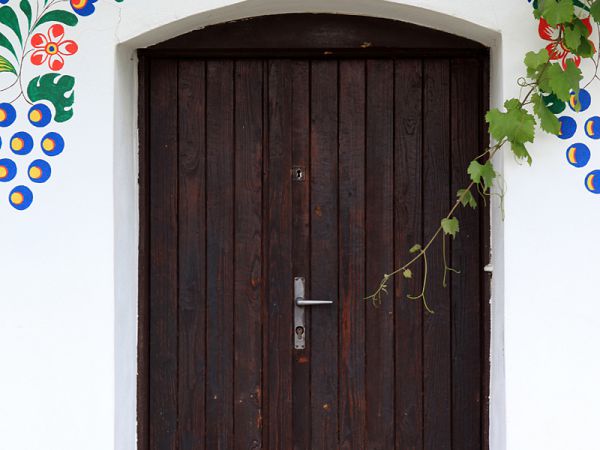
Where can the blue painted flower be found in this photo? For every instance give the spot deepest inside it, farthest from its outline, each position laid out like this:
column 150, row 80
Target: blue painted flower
column 39, row 171
column 40, row 115
column 83, row 7
column 20, row 197
column 4, row 2
column 8, row 114
column 21, row 143
column 53, row 144
column 8, row 170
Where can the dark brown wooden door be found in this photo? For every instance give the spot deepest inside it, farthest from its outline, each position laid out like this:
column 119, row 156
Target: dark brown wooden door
column 383, row 144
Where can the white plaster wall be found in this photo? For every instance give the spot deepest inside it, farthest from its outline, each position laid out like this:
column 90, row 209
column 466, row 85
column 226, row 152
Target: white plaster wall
column 68, row 278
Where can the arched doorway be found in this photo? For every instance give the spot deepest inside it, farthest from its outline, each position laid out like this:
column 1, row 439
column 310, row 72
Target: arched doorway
column 316, row 149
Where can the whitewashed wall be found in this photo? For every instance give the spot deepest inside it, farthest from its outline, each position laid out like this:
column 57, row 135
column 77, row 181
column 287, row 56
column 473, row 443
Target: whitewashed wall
column 68, row 272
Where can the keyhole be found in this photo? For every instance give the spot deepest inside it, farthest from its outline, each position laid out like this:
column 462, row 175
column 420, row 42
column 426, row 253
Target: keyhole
column 298, row 173
column 300, row 332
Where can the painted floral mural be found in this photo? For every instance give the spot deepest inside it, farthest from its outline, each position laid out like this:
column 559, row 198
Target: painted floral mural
column 35, row 33
column 578, row 152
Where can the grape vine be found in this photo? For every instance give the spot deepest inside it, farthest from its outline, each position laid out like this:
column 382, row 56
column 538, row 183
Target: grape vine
column 552, row 77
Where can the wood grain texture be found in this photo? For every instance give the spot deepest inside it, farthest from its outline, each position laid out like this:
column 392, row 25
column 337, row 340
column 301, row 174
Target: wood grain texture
column 384, row 144
column 192, row 255
column 280, row 278
column 324, row 253
column 163, row 257
column 143, row 344
column 220, row 253
column 248, row 254
column 408, row 231
column 380, row 382
column 437, row 337
column 465, row 287
column 351, row 225
column 301, row 244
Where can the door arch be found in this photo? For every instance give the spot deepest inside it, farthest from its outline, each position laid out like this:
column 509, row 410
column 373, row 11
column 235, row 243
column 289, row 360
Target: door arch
column 338, row 97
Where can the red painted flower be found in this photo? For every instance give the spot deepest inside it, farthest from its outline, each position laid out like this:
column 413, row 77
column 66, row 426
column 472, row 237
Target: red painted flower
column 556, row 49
column 52, row 48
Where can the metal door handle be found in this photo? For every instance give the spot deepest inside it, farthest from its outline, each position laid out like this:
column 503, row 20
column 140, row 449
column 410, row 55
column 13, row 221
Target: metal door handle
column 302, row 302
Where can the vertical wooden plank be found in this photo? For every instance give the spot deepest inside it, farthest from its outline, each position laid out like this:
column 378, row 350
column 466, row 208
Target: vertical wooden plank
column 220, row 253
column 351, row 226
column 486, row 279
column 192, row 254
column 280, row 278
column 380, row 253
column 301, row 245
column 248, row 251
column 143, row 389
column 163, row 256
column 324, row 253
column 465, row 287
column 437, row 337
column 408, row 231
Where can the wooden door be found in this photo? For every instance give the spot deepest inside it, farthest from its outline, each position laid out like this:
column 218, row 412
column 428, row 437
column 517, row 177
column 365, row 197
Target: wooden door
column 262, row 170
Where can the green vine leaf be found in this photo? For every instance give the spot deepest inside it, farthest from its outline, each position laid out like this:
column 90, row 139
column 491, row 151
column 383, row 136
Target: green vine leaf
column 520, row 152
column 482, row 173
column 58, row 90
column 548, row 121
column 561, row 82
column 535, row 61
column 466, row 198
column 516, row 124
column 407, row 274
column 9, row 18
column 65, row 17
column 557, row 11
column 451, row 226
column 415, row 248
column 6, row 66
column 595, row 11
column 4, row 42
column 26, row 8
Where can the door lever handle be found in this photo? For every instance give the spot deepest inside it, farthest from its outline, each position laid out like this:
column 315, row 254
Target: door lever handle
column 300, row 330
column 302, row 302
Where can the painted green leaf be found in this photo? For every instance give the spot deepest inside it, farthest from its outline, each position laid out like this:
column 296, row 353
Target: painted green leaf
column 65, row 17
column 9, row 18
column 6, row 66
column 548, row 121
column 451, row 226
column 407, row 274
column 466, row 198
column 4, row 42
column 482, row 173
column 58, row 90
column 26, row 8
column 554, row 104
column 558, row 11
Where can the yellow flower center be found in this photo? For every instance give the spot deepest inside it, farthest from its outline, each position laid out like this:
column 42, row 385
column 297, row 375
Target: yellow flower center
column 17, row 198
column 48, row 145
column 35, row 173
column 52, row 48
